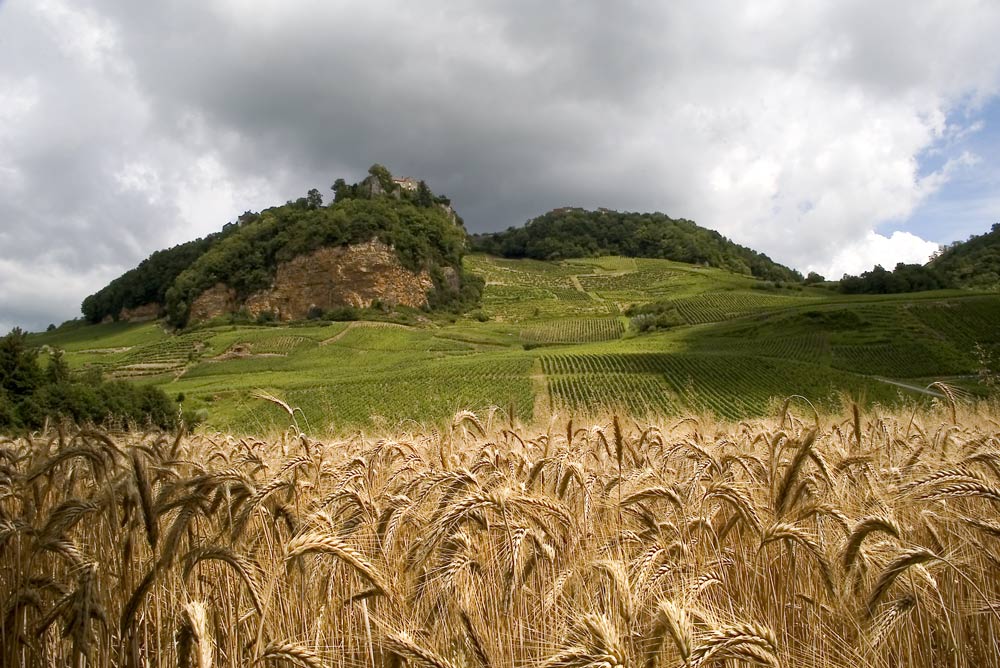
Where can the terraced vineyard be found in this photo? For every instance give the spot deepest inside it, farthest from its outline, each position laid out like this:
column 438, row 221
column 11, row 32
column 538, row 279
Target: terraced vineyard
column 394, row 397
column 170, row 357
column 607, row 263
column 918, row 359
column 814, row 348
column 734, row 350
column 732, row 386
column 578, row 330
column 718, row 306
column 607, row 393
column 267, row 340
column 644, row 282
column 964, row 323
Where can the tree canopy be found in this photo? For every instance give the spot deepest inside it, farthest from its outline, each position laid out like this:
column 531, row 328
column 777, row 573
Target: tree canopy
column 904, row 278
column 245, row 254
column 974, row 263
column 567, row 233
column 31, row 393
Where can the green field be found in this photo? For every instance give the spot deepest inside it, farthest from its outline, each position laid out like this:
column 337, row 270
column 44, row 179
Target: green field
column 553, row 336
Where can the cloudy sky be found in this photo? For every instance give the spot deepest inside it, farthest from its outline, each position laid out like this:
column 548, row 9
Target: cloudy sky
column 829, row 134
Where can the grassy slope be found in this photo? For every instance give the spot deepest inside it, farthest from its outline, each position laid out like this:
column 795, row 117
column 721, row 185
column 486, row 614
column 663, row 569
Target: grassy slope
column 556, row 339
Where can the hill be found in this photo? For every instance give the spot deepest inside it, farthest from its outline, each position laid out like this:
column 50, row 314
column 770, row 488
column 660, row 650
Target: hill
column 384, row 241
column 582, row 336
column 974, row 263
column 571, row 232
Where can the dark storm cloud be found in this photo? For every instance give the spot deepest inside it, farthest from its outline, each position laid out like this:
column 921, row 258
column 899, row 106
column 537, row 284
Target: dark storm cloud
column 503, row 108
column 794, row 127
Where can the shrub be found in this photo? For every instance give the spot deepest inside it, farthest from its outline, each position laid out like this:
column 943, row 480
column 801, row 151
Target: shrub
column 29, row 396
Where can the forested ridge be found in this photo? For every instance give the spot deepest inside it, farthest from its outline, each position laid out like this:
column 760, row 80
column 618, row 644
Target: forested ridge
column 572, row 232
column 974, row 263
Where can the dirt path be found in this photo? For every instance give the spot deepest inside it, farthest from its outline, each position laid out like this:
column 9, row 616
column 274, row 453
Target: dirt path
column 907, row 386
column 339, row 335
column 575, row 279
column 374, row 324
column 539, row 386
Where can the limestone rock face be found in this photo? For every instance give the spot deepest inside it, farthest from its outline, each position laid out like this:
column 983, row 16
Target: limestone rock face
column 450, row 212
column 372, row 186
column 217, row 300
column 341, row 276
column 326, row 278
column 142, row 313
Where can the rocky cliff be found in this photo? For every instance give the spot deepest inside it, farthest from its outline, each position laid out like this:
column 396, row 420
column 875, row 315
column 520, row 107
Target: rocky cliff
column 217, row 300
column 327, row 278
column 142, row 313
column 302, row 257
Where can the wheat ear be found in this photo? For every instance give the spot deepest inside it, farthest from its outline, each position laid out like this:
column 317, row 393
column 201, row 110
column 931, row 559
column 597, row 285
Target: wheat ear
column 193, row 637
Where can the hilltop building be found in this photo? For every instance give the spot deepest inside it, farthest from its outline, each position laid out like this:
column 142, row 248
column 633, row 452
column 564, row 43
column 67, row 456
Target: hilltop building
column 407, row 183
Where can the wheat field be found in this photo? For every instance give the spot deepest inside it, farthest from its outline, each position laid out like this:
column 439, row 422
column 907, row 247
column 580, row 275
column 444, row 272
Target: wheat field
column 864, row 539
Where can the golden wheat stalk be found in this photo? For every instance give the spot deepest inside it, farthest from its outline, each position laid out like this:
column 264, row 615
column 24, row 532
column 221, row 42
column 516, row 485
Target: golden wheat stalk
column 902, row 561
column 403, row 645
column 292, row 653
column 325, row 543
column 864, row 527
column 671, row 621
column 741, row 642
column 193, row 637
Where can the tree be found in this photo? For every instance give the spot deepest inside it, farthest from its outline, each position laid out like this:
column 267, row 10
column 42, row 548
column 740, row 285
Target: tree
column 384, row 177
column 314, row 199
column 19, row 371
column 341, row 190
column 57, row 370
column 814, row 278
column 425, row 197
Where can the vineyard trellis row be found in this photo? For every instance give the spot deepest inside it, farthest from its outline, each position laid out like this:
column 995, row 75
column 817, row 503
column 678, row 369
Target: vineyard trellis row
column 577, row 330
column 732, row 386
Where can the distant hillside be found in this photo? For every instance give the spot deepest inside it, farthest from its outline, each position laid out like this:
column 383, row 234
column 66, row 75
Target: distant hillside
column 586, row 337
column 571, row 232
column 383, row 241
column 974, row 263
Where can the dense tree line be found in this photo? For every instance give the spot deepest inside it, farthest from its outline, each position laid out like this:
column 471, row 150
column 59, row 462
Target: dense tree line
column 904, row 278
column 31, row 393
column 567, row 233
column 147, row 283
column 380, row 183
column 419, row 225
column 974, row 263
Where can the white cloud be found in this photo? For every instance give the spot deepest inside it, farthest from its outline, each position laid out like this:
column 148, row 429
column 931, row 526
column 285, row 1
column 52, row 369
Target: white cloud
column 806, row 163
column 37, row 291
column 862, row 255
column 796, row 128
column 81, row 33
